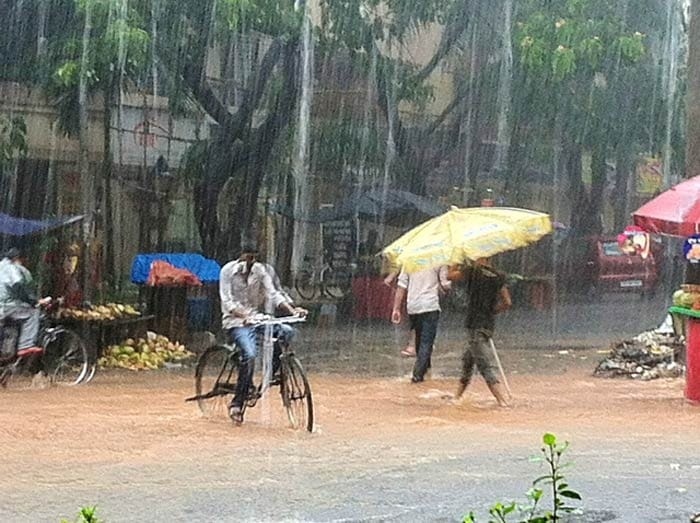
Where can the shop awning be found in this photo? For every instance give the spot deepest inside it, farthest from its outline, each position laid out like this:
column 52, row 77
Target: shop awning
column 12, row 226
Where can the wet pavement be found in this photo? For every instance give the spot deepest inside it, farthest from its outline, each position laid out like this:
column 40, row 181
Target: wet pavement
column 383, row 450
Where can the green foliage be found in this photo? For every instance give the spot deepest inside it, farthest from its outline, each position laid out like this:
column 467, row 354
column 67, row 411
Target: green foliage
column 13, row 141
column 86, row 515
column 553, row 482
column 573, row 35
column 118, row 46
column 272, row 17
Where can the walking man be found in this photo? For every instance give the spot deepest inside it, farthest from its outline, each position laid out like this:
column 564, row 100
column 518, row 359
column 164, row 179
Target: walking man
column 421, row 291
column 488, row 296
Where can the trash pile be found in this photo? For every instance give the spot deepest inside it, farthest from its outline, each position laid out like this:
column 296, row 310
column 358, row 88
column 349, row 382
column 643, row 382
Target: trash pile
column 648, row 356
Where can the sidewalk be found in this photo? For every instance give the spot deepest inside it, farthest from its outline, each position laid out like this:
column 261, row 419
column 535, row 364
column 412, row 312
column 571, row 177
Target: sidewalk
column 523, row 337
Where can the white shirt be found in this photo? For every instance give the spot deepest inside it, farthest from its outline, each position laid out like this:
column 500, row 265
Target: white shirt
column 243, row 294
column 423, row 289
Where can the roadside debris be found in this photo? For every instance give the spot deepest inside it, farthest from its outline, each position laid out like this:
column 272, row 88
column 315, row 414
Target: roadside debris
column 648, row 356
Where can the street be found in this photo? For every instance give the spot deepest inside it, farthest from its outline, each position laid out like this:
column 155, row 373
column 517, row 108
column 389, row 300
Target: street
column 384, row 450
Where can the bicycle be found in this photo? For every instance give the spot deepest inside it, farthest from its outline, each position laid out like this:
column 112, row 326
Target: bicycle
column 217, row 372
column 334, row 282
column 64, row 356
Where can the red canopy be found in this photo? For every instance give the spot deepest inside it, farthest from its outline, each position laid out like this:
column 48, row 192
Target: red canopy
column 675, row 212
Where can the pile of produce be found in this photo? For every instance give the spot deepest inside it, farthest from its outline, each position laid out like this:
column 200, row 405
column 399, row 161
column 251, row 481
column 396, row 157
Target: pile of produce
column 687, row 297
column 648, row 356
column 151, row 353
column 108, row 312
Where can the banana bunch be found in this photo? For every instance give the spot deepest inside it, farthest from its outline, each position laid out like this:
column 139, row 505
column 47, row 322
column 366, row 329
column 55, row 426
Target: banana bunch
column 149, row 353
column 108, row 312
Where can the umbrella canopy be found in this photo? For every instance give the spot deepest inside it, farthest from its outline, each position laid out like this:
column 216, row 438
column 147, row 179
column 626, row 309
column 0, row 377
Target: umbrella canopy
column 13, row 226
column 675, row 212
column 466, row 234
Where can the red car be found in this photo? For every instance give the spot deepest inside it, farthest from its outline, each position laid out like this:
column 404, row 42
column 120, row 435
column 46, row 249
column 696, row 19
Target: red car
column 611, row 270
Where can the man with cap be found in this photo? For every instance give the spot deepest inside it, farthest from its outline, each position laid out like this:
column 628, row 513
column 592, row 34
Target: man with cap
column 18, row 301
column 245, row 286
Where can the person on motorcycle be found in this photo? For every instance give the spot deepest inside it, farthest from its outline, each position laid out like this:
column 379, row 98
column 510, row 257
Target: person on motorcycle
column 19, row 302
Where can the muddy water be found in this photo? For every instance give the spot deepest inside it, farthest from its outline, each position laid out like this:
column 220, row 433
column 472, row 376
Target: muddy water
column 383, row 450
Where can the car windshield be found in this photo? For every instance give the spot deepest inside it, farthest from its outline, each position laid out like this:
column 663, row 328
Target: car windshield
column 611, row 249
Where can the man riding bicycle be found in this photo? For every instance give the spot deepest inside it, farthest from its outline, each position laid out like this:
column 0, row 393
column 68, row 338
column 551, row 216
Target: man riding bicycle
column 245, row 287
column 18, row 301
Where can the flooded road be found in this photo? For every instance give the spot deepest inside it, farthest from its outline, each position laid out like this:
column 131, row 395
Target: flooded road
column 384, row 450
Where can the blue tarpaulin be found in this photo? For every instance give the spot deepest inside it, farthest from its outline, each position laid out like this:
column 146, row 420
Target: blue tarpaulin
column 205, row 269
column 11, row 226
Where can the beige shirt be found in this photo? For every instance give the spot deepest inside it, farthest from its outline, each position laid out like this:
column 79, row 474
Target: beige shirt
column 423, row 289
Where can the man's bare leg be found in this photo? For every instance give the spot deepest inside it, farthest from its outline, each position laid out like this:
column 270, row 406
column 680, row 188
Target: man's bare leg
column 499, row 392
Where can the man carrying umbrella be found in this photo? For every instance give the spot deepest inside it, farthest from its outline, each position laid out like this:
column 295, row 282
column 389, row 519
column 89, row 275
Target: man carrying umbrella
column 455, row 238
column 488, row 296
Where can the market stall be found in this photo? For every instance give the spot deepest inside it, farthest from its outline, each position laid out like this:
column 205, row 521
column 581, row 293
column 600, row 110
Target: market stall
column 676, row 212
column 178, row 303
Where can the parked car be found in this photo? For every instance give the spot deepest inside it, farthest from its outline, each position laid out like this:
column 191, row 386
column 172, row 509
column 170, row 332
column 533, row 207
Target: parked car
column 611, row 270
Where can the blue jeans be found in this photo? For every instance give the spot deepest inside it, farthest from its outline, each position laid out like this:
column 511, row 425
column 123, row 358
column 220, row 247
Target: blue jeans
column 246, row 338
column 426, row 326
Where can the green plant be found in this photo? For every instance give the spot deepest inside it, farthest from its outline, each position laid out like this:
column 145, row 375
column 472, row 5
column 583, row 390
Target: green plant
column 553, row 481
column 86, row 515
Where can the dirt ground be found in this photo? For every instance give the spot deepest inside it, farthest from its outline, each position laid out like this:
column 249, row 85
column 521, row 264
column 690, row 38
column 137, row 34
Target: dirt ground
column 383, row 449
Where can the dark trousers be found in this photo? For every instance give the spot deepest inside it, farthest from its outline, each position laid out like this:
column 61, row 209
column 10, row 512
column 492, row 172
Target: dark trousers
column 425, row 325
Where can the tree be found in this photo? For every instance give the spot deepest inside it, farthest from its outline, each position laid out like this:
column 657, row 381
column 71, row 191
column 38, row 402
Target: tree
column 578, row 60
column 113, row 47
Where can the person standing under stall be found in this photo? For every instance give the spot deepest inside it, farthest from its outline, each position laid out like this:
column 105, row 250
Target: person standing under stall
column 421, row 291
column 487, row 297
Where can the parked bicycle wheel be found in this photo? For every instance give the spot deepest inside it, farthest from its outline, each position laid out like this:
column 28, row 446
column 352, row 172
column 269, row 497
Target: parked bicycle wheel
column 305, row 285
column 215, row 380
column 296, row 394
column 336, row 282
column 65, row 359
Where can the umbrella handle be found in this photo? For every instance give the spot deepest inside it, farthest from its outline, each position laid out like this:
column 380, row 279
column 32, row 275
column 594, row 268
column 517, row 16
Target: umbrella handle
column 500, row 367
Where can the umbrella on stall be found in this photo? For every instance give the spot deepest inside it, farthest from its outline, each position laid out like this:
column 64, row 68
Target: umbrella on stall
column 675, row 212
column 460, row 235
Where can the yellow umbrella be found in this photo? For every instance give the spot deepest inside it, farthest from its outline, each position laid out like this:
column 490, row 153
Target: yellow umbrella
column 466, row 234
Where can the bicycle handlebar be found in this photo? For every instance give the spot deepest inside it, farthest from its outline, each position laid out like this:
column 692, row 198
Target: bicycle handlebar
column 263, row 319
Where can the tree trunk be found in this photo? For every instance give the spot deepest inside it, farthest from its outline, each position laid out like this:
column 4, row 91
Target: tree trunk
column 107, row 171
column 86, row 178
column 624, row 168
column 693, row 98
column 598, row 182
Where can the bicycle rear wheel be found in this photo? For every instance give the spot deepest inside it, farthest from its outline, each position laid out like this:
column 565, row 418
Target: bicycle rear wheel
column 305, row 285
column 215, row 380
column 336, row 282
column 296, row 394
column 65, row 359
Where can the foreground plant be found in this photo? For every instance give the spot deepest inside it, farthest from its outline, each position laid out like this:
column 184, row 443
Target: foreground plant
column 86, row 515
column 553, row 482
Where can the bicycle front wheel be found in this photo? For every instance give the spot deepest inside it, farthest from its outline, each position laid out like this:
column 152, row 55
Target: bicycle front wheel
column 296, row 395
column 215, row 380
column 336, row 283
column 65, row 358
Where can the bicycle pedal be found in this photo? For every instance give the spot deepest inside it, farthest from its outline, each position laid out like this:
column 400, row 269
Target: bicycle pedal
column 253, row 399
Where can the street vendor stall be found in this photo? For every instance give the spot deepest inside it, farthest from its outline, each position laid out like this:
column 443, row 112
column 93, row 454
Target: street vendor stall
column 676, row 212
column 177, row 302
